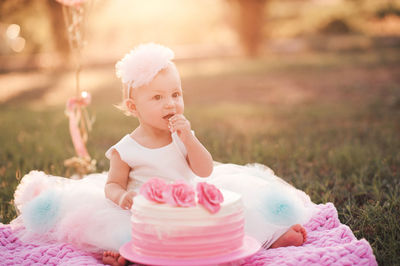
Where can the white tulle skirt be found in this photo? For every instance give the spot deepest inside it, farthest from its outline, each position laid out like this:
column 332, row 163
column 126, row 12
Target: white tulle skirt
column 272, row 206
column 57, row 209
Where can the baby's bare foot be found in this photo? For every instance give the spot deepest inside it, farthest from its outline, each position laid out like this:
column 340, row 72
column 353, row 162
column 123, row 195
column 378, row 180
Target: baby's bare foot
column 113, row 258
column 295, row 236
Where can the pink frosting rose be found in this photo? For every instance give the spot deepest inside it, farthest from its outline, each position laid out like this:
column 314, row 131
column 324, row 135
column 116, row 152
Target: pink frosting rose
column 180, row 194
column 153, row 190
column 209, row 196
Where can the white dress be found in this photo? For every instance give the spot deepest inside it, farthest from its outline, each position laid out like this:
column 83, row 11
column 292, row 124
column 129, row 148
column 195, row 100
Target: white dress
column 57, row 209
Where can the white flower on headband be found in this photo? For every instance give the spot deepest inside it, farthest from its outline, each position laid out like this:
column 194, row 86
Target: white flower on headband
column 141, row 65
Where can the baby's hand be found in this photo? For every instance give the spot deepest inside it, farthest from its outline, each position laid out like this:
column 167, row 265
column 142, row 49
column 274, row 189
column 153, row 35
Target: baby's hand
column 126, row 199
column 181, row 125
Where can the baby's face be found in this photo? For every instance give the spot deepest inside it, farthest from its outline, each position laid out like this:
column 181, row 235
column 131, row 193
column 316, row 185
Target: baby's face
column 160, row 99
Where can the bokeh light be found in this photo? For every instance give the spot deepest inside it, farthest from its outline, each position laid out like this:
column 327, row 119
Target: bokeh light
column 84, row 94
column 18, row 44
column 15, row 41
column 13, row 31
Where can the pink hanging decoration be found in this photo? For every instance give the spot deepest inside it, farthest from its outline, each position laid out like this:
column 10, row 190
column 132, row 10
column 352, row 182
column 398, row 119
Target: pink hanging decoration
column 74, row 112
column 74, row 12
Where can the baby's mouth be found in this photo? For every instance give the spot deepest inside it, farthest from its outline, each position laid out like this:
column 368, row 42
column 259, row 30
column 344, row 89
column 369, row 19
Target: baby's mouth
column 168, row 116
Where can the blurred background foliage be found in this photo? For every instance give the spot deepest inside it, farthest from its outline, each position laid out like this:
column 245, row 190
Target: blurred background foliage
column 208, row 27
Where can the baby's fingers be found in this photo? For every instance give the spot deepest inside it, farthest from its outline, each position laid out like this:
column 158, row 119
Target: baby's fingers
column 127, row 204
column 177, row 118
column 126, row 200
column 181, row 125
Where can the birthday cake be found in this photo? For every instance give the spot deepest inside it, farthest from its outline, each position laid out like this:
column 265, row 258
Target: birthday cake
column 175, row 221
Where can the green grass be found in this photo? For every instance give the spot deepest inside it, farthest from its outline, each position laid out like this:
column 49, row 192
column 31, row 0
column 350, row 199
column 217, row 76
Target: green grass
column 337, row 150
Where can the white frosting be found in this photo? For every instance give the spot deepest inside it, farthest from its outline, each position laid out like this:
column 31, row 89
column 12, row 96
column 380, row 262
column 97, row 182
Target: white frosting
column 146, row 211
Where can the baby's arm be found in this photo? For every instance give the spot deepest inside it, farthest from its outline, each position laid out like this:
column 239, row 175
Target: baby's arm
column 199, row 159
column 115, row 188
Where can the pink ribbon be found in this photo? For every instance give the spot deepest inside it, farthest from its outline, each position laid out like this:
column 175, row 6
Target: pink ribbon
column 74, row 113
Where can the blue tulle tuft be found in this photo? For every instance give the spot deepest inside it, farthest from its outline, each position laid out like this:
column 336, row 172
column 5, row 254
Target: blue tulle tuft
column 278, row 208
column 124, row 238
column 41, row 213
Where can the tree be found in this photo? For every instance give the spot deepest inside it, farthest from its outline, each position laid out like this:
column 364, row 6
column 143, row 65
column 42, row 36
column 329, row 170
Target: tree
column 249, row 20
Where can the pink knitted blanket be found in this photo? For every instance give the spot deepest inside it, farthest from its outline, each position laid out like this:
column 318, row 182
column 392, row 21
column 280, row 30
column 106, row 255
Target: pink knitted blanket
column 329, row 243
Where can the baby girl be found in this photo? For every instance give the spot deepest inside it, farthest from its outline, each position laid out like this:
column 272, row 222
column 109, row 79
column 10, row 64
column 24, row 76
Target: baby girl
column 163, row 144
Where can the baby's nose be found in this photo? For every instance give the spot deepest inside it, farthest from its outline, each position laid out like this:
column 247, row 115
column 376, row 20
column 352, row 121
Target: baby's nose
column 169, row 102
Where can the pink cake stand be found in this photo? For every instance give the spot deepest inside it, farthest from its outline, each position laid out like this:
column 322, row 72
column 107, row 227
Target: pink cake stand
column 249, row 247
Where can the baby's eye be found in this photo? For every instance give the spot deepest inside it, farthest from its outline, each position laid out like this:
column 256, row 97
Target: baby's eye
column 157, row 97
column 176, row 94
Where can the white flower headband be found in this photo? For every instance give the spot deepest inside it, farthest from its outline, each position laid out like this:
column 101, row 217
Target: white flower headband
column 141, row 65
